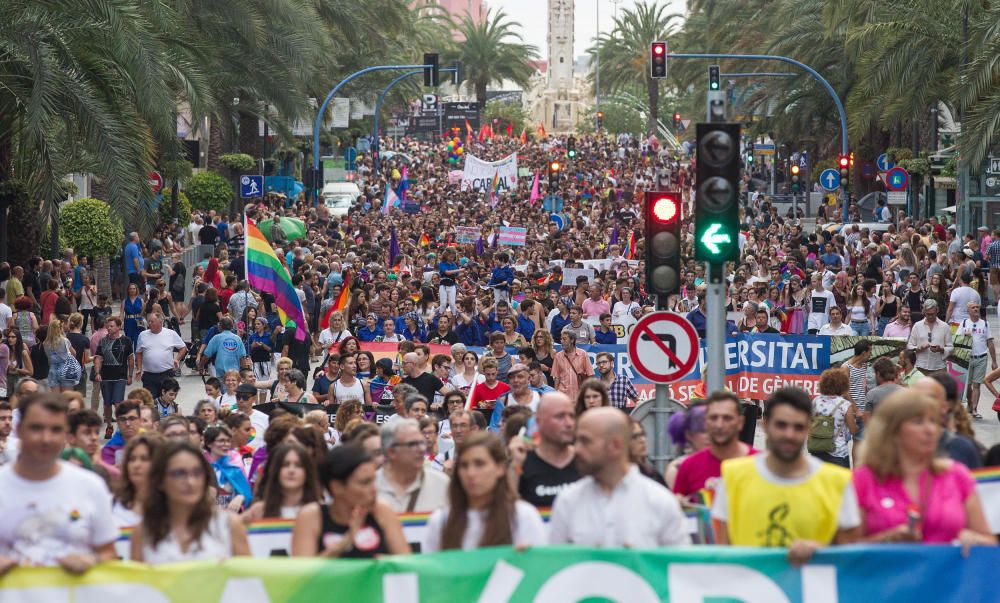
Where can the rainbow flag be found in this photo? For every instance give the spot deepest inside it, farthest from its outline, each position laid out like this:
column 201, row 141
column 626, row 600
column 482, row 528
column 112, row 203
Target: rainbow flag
column 266, row 273
column 495, row 187
column 629, row 252
column 339, row 304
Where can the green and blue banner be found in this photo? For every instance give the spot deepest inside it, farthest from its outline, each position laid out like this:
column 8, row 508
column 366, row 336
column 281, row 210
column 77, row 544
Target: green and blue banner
column 886, row 574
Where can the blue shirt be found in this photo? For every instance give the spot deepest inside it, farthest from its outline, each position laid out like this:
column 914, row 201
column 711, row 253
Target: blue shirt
column 605, row 338
column 447, row 280
column 365, row 334
column 227, row 349
column 131, row 254
column 525, row 326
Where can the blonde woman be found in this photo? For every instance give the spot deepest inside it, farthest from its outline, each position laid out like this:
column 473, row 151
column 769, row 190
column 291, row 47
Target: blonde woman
column 62, row 374
column 906, row 493
column 541, row 342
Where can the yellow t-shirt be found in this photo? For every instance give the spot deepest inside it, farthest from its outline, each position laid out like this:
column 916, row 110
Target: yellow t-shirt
column 762, row 512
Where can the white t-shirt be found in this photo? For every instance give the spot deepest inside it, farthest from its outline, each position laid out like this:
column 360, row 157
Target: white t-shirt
column 49, row 519
column 258, row 425
column 961, row 297
column 328, row 337
column 980, row 333
column 843, row 329
column 5, row 315
column 527, row 528
column 158, row 349
column 820, row 303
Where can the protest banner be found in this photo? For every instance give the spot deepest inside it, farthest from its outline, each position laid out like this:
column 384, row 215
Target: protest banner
column 513, row 235
column 570, row 274
column 478, row 174
column 467, row 234
column 563, row 573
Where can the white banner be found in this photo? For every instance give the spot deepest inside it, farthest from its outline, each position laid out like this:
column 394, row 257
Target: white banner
column 340, row 113
column 478, row 174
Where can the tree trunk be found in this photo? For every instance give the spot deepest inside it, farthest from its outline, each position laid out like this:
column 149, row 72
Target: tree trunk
column 173, row 201
column 102, row 274
column 215, row 145
column 6, row 158
column 54, row 242
column 249, row 139
column 481, row 99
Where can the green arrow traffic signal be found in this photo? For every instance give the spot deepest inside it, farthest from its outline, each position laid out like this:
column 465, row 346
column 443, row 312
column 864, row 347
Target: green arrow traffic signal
column 712, row 238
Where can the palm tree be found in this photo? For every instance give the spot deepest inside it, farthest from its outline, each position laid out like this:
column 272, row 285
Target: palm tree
column 492, row 51
column 623, row 53
column 91, row 80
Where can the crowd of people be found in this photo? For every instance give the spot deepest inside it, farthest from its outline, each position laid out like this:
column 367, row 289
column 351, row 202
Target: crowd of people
column 324, row 431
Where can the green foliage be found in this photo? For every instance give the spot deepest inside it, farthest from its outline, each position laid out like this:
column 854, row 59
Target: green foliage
column 86, row 225
column 23, row 219
column 505, row 113
column 493, row 51
column 209, row 190
column 950, row 169
column 183, row 208
column 239, row 163
column 916, row 167
column 618, row 118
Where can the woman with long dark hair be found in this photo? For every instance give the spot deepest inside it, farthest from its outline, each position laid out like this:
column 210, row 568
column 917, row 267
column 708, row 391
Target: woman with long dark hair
column 180, row 520
column 289, row 482
column 20, row 360
column 482, row 510
column 355, row 524
column 133, row 488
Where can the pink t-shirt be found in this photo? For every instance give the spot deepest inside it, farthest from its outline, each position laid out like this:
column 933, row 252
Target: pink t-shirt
column 594, row 309
column 885, row 503
column 700, row 470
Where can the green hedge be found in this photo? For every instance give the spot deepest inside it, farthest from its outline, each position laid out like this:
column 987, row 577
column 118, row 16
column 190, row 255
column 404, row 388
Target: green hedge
column 209, row 190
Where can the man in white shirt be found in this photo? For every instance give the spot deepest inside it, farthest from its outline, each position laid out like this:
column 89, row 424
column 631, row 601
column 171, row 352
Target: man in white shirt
column 931, row 339
column 614, row 505
column 403, row 481
column 982, row 344
column 836, row 326
column 246, row 395
column 520, row 394
column 961, row 297
column 5, row 315
column 55, row 513
column 158, row 354
column 820, row 302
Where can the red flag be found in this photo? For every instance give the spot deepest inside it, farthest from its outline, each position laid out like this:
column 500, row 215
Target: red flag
column 541, row 130
column 470, row 132
column 339, row 304
column 524, row 136
column 510, row 129
column 492, row 133
column 482, row 133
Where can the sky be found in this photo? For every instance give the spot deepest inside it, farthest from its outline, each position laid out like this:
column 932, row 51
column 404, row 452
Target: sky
column 532, row 15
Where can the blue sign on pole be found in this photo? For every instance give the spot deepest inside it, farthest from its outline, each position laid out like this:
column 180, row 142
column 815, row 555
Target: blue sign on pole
column 830, row 179
column 558, row 219
column 350, row 159
column 251, row 186
column 897, row 179
column 883, row 163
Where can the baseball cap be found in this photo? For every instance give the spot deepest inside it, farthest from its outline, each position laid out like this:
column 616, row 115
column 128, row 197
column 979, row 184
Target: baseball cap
column 246, row 388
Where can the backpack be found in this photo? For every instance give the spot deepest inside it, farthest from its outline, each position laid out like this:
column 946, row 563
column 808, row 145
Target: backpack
column 823, row 431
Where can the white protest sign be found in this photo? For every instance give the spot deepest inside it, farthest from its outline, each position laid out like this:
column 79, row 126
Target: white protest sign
column 479, row 174
column 570, row 274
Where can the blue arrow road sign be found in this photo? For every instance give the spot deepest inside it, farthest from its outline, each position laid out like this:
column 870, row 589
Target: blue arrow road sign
column 883, row 163
column 251, row 186
column 830, row 179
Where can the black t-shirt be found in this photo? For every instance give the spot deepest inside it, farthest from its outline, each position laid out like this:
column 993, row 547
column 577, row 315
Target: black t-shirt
column 207, row 315
column 450, row 338
column 427, row 384
column 541, row 482
column 208, row 235
column 114, row 355
column 80, row 343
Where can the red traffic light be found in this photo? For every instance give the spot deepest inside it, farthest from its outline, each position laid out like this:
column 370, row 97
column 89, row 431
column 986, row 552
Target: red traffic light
column 844, row 161
column 600, row 114
column 664, row 209
column 659, row 48
column 677, row 116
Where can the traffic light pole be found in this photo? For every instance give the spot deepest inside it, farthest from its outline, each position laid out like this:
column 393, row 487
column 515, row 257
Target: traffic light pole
column 317, row 186
column 812, row 72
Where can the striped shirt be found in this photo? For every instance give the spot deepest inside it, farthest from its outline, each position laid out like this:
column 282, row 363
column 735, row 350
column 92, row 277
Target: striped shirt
column 993, row 253
column 859, row 383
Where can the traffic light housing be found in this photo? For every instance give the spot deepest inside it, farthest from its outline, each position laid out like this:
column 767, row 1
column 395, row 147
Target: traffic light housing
column 658, row 60
column 713, row 77
column 845, row 171
column 663, row 244
column 795, row 178
column 677, row 122
column 717, row 207
column 432, row 69
column 554, row 171
column 600, row 120
column 750, row 150
column 571, row 147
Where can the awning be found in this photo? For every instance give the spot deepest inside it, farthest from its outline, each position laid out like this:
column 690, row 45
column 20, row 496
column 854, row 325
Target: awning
column 945, row 182
column 950, row 209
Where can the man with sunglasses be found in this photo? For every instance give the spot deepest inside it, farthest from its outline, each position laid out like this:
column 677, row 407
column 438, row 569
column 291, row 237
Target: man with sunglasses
column 246, row 395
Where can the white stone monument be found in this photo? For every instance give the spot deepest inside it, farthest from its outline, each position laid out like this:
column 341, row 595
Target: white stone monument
column 555, row 99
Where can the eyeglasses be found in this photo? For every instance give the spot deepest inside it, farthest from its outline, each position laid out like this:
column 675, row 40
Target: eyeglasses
column 414, row 445
column 245, row 396
column 183, row 474
column 129, row 419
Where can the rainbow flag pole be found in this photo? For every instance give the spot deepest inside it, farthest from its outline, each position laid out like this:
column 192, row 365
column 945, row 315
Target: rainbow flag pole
column 266, row 273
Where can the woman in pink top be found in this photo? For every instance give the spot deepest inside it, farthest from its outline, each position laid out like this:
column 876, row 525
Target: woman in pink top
column 905, row 493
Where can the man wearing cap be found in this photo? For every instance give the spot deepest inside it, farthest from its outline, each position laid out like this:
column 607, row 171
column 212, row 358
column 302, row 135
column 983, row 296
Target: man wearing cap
column 520, row 394
column 246, row 394
column 931, row 339
column 982, row 344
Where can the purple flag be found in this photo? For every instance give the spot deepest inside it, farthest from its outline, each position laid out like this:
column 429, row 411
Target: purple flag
column 393, row 246
column 614, row 235
column 479, row 246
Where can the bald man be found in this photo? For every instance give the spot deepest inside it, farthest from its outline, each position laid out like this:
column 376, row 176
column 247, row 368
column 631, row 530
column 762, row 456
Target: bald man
column 614, row 505
column 426, row 383
column 943, row 389
column 540, row 474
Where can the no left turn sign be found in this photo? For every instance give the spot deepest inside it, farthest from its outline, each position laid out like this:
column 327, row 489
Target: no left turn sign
column 663, row 347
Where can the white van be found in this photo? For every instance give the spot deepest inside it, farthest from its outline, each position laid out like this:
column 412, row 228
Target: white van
column 339, row 197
